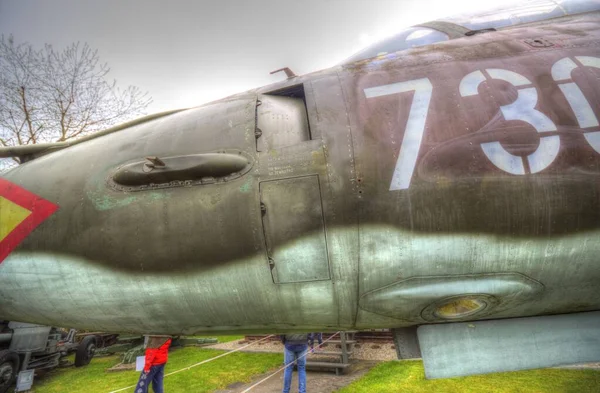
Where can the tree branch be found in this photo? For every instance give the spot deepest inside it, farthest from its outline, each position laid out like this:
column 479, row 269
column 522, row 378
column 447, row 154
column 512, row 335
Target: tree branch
column 49, row 95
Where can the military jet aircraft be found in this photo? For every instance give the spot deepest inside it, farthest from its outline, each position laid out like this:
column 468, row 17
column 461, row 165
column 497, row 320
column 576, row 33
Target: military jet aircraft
column 446, row 178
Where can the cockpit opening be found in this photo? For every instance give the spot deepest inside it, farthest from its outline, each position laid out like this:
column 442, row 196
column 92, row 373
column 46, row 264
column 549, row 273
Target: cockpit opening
column 471, row 24
column 408, row 38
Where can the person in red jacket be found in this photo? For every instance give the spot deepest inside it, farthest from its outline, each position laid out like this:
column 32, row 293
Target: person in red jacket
column 157, row 353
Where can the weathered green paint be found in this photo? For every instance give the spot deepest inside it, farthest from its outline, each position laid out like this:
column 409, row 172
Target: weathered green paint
column 247, row 186
column 204, row 256
column 106, row 202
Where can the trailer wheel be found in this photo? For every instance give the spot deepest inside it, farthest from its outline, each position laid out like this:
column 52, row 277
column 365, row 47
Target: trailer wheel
column 9, row 367
column 85, row 351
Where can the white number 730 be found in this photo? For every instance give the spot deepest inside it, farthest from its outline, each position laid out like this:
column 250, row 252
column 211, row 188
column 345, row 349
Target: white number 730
column 415, row 126
column 522, row 109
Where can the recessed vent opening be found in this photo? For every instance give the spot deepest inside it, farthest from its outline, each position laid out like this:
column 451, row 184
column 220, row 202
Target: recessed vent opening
column 282, row 118
column 296, row 91
column 176, row 171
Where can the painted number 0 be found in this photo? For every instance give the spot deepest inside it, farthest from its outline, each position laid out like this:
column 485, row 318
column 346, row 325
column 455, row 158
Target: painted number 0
column 415, row 126
column 561, row 71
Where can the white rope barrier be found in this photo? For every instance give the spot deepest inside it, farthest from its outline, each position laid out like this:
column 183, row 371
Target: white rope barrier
column 202, row 362
column 287, row 365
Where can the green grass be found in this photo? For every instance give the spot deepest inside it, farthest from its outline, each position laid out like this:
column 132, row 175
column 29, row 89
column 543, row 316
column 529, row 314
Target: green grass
column 387, row 377
column 222, row 339
column 408, row 377
column 205, row 378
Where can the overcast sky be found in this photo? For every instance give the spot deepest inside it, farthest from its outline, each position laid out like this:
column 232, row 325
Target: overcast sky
column 185, row 53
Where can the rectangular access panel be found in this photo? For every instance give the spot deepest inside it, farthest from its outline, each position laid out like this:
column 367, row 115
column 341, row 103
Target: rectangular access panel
column 294, row 229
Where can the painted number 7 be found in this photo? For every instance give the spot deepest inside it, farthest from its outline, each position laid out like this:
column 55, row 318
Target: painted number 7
column 415, row 126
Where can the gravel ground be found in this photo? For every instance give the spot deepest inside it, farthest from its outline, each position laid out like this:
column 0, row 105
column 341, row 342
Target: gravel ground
column 595, row 366
column 362, row 351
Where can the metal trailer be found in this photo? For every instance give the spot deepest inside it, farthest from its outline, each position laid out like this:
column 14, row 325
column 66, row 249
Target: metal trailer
column 25, row 346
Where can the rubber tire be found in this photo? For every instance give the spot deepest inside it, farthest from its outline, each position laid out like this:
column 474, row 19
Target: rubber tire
column 9, row 357
column 85, row 351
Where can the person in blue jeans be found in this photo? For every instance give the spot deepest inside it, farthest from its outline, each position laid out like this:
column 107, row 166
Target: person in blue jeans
column 311, row 340
column 296, row 349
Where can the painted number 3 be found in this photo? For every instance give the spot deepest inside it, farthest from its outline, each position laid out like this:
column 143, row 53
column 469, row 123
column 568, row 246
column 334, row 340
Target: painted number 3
column 523, row 109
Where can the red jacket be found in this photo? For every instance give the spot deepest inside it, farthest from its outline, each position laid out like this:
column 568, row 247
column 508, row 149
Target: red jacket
column 157, row 356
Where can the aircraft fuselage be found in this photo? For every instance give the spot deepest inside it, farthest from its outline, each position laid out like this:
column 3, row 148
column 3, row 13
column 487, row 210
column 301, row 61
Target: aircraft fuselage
column 452, row 182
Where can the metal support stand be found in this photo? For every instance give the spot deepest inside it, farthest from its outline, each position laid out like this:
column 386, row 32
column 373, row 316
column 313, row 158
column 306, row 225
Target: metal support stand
column 346, row 343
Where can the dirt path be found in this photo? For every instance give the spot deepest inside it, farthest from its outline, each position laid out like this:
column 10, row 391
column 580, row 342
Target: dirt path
column 316, row 381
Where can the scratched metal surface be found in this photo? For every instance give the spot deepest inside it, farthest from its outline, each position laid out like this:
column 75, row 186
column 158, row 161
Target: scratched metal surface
column 490, row 196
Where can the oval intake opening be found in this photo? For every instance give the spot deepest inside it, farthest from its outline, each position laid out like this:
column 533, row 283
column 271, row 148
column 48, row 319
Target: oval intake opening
column 211, row 167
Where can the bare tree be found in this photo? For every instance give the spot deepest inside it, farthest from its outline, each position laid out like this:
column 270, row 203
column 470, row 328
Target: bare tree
column 52, row 96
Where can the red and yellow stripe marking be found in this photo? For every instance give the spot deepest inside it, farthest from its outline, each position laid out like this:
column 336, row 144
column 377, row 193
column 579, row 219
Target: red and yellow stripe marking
column 21, row 212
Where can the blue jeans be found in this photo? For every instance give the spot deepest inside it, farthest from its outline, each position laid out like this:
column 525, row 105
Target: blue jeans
column 155, row 375
column 295, row 353
column 319, row 337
